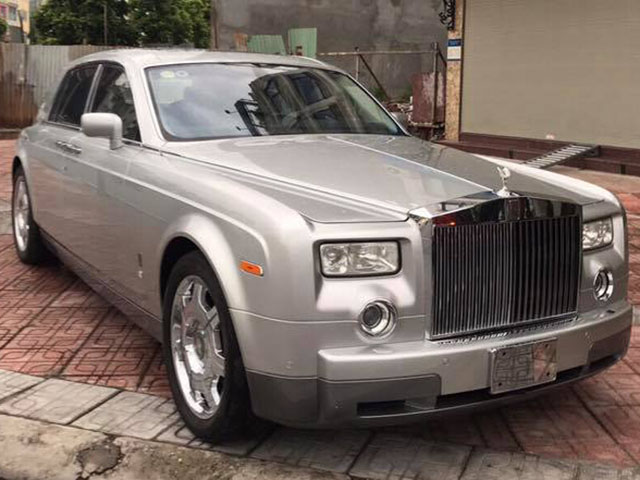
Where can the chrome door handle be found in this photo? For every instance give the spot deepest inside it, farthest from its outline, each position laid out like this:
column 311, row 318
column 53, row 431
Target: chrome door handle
column 68, row 147
column 74, row 148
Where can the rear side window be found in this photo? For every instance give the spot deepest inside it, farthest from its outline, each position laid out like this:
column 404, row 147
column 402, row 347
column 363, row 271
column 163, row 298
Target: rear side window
column 71, row 98
column 113, row 95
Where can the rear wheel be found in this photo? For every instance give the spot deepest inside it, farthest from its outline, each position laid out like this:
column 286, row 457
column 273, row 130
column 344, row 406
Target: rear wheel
column 205, row 369
column 26, row 234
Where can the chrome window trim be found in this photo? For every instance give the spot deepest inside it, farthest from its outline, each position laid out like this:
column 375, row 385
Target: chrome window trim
column 98, row 65
column 321, row 66
column 94, row 88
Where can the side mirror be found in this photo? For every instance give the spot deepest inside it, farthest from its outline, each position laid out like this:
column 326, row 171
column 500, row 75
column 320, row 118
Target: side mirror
column 105, row 125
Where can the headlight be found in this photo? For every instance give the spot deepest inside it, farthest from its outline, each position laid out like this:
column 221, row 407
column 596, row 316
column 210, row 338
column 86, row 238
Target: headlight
column 359, row 259
column 597, row 234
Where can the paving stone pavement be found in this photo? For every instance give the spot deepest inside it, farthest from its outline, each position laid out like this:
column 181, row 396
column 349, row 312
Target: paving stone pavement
column 497, row 466
column 321, row 449
column 129, row 413
column 12, row 383
column 56, row 401
column 400, row 457
column 355, row 454
column 179, row 434
column 52, row 325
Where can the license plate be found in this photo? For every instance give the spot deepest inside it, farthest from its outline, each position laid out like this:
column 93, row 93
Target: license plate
column 524, row 365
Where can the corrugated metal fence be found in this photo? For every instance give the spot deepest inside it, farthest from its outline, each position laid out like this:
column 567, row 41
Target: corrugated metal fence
column 27, row 73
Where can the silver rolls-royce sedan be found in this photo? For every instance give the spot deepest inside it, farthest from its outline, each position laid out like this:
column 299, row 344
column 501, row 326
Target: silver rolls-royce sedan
column 301, row 257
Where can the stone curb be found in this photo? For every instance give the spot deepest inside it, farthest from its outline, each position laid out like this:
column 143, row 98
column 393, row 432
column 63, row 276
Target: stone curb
column 5, row 217
column 34, row 450
column 99, row 423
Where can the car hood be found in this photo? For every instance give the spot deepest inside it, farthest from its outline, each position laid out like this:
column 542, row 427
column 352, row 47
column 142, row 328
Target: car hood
column 368, row 177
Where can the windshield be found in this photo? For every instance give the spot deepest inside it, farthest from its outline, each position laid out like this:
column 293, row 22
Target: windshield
column 206, row 100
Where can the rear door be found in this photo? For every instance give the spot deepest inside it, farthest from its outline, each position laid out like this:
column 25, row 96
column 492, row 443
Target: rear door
column 49, row 156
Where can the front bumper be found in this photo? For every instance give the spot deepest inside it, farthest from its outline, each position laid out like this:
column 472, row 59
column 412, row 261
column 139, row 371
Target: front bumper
column 405, row 382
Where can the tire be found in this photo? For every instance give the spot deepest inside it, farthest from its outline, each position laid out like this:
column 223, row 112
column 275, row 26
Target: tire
column 193, row 345
column 26, row 234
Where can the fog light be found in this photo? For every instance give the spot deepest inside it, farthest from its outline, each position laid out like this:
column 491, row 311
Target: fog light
column 378, row 318
column 603, row 285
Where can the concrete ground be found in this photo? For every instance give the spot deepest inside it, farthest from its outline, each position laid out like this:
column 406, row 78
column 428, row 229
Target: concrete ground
column 79, row 385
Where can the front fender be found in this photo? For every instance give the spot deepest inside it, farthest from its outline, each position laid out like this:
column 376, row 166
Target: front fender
column 224, row 246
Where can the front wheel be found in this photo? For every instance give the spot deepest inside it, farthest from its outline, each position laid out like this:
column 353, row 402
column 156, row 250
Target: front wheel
column 205, row 369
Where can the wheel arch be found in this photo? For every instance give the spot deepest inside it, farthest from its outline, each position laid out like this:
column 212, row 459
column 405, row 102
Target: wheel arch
column 17, row 163
column 198, row 233
column 177, row 248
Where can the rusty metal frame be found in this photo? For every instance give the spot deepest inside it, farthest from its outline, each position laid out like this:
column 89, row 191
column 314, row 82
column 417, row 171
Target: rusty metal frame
column 359, row 58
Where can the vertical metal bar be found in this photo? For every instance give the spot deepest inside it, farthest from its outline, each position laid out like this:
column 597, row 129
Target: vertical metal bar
column 566, row 288
column 543, row 227
column 531, row 270
column 575, row 264
column 538, row 224
column 512, row 273
column 493, row 268
column 434, row 107
column 568, row 265
column 357, row 57
column 459, row 281
column 440, row 279
column 452, row 284
column 557, row 264
column 475, row 276
column 464, row 317
column 505, row 251
column 486, row 297
column 555, row 259
column 562, row 259
column 519, row 291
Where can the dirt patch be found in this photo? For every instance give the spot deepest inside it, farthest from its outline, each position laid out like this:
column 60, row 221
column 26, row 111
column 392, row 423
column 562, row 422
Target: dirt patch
column 99, row 458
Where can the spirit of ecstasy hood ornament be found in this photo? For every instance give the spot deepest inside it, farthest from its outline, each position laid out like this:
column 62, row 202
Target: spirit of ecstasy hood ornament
column 505, row 174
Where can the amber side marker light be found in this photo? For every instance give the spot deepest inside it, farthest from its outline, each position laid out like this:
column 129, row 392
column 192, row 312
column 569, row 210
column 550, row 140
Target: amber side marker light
column 251, row 268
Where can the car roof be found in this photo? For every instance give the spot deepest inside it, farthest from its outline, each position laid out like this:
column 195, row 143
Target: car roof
column 142, row 58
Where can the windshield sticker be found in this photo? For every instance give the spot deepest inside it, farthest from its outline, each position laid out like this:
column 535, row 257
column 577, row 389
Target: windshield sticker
column 167, row 74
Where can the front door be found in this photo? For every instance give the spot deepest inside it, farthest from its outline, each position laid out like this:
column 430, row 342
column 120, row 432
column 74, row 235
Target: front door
column 106, row 236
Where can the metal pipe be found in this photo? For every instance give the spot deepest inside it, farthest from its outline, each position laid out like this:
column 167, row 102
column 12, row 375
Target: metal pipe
column 378, row 52
column 373, row 75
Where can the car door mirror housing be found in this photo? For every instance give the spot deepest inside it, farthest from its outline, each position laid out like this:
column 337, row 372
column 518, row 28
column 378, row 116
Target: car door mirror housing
column 105, row 125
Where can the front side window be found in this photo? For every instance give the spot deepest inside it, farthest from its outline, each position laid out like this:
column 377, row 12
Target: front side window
column 113, row 95
column 71, row 98
column 204, row 101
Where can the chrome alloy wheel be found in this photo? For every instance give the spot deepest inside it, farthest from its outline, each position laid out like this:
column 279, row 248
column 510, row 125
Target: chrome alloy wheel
column 21, row 212
column 196, row 347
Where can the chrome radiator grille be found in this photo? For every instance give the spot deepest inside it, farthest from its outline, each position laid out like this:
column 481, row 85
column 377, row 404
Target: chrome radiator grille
column 492, row 276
